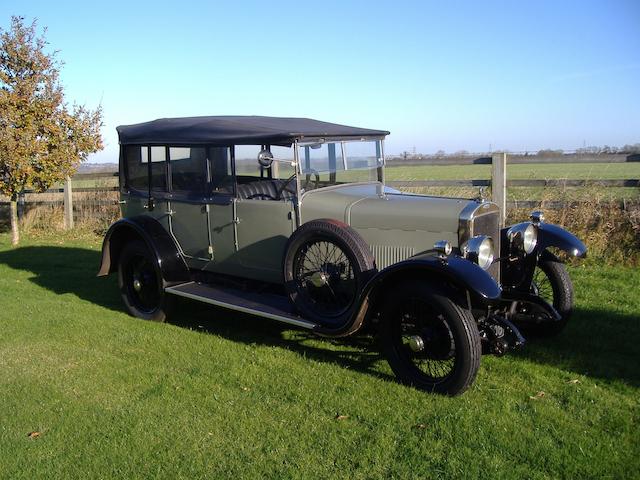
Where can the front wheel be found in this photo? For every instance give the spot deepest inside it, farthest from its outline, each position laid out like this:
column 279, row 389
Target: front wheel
column 140, row 283
column 552, row 283
column 430, row 342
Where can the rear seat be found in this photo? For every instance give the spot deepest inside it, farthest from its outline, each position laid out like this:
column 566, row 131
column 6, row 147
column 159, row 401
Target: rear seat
column 265, row 189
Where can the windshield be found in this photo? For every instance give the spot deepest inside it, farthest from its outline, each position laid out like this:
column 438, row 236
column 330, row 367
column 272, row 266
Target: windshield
column 331, row 163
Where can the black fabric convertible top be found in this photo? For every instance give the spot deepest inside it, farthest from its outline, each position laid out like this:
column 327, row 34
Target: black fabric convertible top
column 235, row 130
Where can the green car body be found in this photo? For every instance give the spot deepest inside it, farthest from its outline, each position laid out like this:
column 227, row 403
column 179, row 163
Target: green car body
column 223, row 209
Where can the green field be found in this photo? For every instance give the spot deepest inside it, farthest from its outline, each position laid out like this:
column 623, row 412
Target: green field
column 219, row 395
column 556, row 171
column 577, row 171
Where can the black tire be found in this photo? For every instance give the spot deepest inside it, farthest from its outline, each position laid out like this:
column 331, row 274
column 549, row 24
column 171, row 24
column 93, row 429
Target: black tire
column 415, row 315
column 140, row 282
column 326, row 265
column 551, row 281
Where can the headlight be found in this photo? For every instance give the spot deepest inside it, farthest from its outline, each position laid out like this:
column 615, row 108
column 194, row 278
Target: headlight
column 479, row 250
column 523, row 237
column 443, row 248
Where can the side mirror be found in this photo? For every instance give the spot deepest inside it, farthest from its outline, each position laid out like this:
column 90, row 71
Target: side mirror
column 265, row 158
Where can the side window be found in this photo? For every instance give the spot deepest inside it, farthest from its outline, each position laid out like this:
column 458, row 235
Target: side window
column 247, row 162
column 221, row 175
column 280, row 169
column 188, row 170
column 135, row 159
column 158, row 168
column 246, row 157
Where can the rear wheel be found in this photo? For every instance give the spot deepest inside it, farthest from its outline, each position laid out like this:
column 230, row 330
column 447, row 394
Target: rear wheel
column 430, row 342
column 140, row 283
column 327, row 264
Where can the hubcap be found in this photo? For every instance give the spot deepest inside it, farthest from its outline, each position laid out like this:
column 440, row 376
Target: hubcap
column 425, row 339
column 416, row 343
column 319, row 279
column 137, row 285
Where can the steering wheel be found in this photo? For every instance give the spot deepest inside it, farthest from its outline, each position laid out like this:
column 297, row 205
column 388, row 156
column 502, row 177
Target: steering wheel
column 285, row 187
column 307, row 179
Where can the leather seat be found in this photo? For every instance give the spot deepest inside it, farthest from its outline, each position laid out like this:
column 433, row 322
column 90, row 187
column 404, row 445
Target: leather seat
column 264, row 189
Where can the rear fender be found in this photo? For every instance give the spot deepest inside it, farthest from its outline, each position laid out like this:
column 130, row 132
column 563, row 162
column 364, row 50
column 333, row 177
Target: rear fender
column 170, row 262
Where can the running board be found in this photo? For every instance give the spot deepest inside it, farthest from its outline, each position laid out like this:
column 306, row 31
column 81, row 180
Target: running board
column 266, row 305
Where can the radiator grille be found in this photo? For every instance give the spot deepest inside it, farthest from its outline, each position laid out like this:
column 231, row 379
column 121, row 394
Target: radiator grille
column 387, row 255
column 489, row 224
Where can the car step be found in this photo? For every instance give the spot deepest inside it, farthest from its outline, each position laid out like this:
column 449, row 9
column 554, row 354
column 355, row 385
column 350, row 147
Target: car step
column 275, row 307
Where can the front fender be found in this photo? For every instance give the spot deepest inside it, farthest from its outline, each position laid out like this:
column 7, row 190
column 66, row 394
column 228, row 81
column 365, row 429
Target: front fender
column 170, row 262
column 517, row 270
column 453, row 269
column 550, row 235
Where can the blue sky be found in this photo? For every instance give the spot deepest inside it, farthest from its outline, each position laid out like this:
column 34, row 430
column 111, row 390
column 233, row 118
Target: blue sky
column 438, row 75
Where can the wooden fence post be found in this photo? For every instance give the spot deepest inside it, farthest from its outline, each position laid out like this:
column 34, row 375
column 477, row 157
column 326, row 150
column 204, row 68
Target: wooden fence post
column 21, row 206
column 499, row 183
column 68, row 204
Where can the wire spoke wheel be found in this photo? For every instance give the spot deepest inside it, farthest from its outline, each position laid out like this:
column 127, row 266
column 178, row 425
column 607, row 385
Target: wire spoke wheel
column 426, row 341
column 550, row 282
column 326, row 265
column 325, row 277
column 541, row 286
column 431, row 342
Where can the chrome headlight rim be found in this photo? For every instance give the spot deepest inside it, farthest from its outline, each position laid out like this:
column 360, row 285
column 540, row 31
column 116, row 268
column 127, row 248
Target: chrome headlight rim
column 523, row 237
column 480, row 250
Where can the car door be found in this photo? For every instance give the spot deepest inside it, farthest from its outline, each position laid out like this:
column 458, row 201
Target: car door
column 144, row 190
column 188, row 209
column 264, row 226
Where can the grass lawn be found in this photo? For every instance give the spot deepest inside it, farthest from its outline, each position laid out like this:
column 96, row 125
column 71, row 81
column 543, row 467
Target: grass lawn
column 220, row 395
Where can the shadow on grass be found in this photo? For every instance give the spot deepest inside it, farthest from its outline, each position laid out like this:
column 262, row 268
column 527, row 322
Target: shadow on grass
column 355, row 353
column 596, row 343
column 72, row 270
column 65, row 270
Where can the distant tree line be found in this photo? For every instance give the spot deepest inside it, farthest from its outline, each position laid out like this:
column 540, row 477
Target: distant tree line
column 629, row 149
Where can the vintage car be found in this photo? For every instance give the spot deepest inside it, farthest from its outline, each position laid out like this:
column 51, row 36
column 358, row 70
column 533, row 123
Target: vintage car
column 290, row 219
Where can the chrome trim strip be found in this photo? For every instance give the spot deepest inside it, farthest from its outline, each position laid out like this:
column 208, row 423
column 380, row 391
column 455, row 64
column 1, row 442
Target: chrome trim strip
column 344, row 157
column 298, row 170
column 343, row 138
column 235, row 221
column 238, row 308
